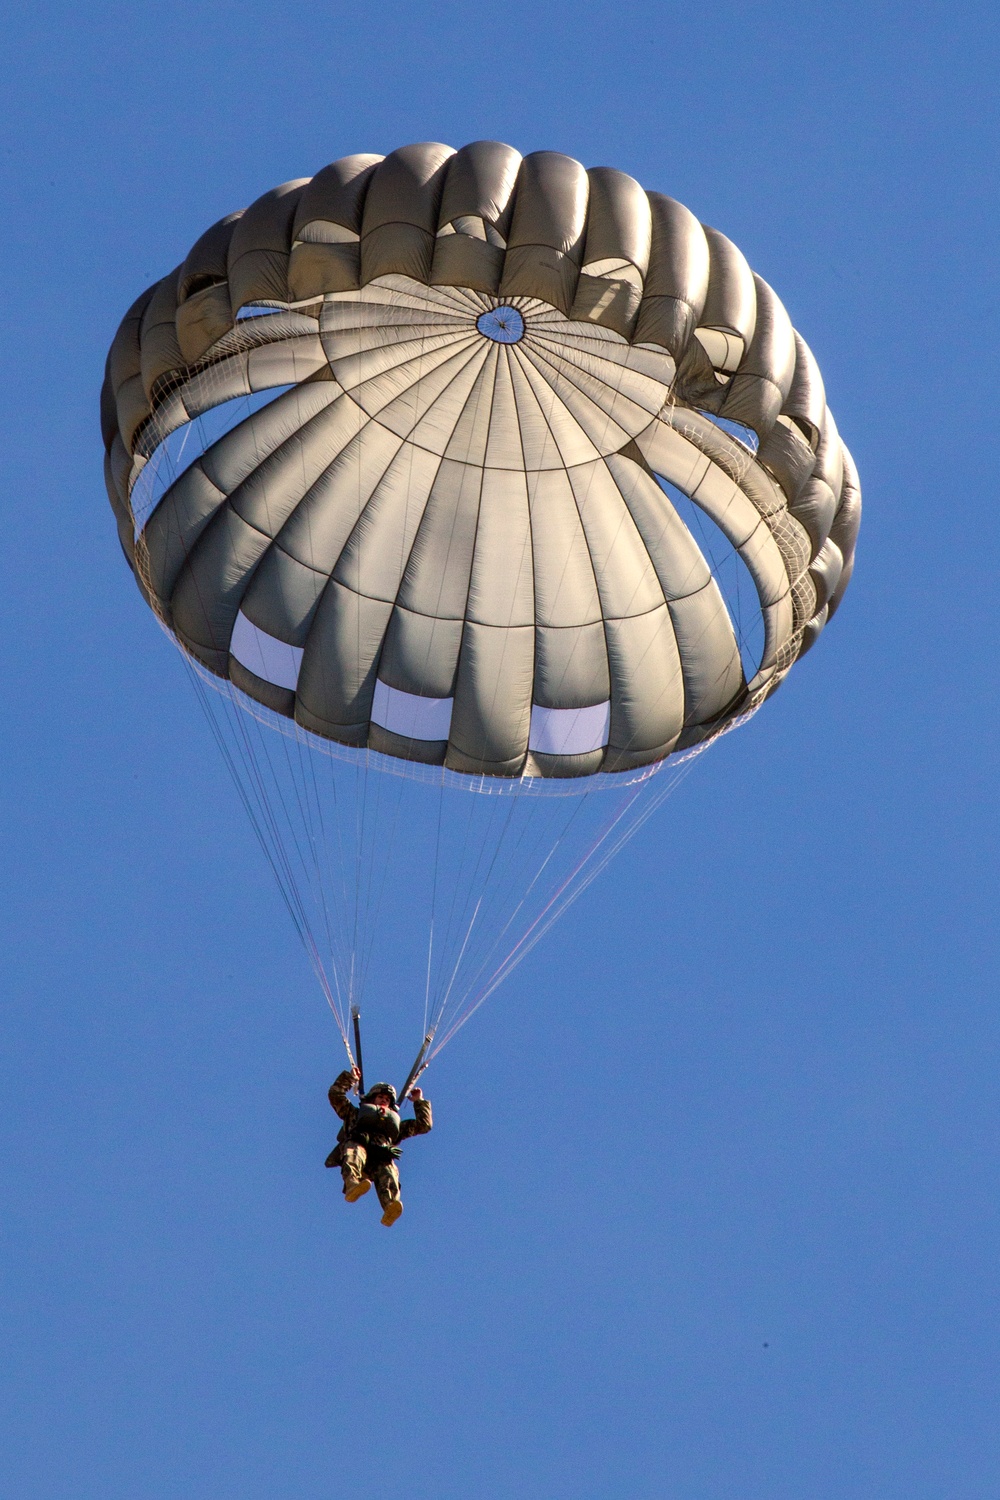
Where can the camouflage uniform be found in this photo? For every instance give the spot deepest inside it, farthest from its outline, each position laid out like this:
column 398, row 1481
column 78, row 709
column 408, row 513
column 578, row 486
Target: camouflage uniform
column 376, row 1158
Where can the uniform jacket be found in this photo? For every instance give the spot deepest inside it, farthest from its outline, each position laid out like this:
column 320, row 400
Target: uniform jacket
column 348, row 1112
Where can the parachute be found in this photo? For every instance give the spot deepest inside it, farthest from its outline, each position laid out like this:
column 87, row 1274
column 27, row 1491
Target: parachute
column 481, row 493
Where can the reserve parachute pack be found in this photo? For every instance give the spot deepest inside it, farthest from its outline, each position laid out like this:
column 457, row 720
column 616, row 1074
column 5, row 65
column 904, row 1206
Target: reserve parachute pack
column 374, row 1126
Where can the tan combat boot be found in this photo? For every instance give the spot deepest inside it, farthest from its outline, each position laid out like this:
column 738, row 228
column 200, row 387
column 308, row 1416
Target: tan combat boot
column 355, row 1188
column 393, row 1209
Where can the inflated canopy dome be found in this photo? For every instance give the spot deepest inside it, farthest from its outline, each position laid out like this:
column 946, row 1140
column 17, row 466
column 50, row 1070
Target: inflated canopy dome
column 423, row 452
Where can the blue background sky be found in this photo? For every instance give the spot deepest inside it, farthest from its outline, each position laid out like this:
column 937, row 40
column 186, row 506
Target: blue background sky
column 710, row 1210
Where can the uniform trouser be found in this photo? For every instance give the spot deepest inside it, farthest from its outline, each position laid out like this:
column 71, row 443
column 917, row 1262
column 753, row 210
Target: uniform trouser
column 384, row 1174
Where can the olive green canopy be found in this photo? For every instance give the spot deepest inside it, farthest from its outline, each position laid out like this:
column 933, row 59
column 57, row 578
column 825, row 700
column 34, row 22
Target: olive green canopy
column 402, row 452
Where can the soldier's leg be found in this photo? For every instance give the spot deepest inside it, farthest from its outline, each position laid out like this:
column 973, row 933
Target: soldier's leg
column 387, row 1186
column 353, row 1160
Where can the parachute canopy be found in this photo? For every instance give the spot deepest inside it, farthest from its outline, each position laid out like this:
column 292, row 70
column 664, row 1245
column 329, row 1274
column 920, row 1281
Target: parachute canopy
column 423, row 452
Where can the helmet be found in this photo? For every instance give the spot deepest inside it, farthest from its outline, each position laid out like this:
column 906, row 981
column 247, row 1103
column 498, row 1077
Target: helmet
column 379, row 1088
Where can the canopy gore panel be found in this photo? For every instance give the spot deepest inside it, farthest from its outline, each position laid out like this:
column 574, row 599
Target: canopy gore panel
column 393, row 452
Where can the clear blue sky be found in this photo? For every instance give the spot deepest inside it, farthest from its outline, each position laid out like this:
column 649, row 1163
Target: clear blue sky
column 710, row 1209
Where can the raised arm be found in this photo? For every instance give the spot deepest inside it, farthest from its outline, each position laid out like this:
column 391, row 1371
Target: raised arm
column 339, row 1090
column 423, row 1121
